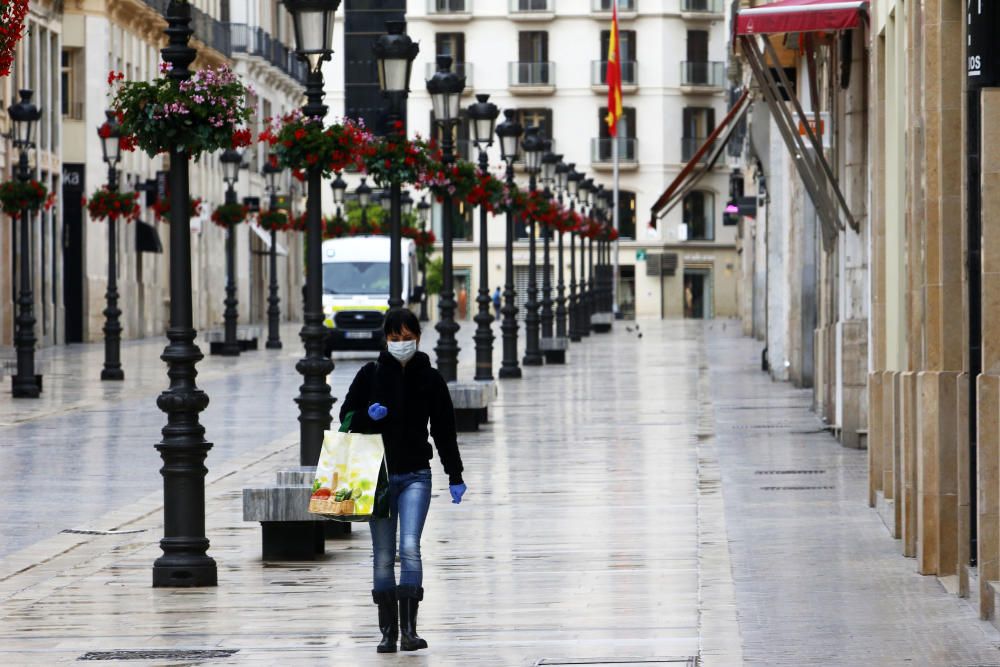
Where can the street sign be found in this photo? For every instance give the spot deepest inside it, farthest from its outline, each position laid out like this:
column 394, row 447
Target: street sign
column 982, row 54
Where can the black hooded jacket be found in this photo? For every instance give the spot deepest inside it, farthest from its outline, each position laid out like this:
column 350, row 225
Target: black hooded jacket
column 413, row 395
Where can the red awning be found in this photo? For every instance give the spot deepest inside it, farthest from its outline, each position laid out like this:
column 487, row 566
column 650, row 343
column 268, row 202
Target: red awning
column 800, row 16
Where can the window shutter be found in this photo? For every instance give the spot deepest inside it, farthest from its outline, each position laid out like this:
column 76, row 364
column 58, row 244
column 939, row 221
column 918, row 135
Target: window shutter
column 524, row 47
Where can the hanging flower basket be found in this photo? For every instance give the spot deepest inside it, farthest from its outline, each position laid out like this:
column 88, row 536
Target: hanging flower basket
column 17, row 196
column 273, row 220
column 300, row 142
column 457, row 180
column 12, row 15
column 110, row 205
column 162, row 208
column 202, row 114
column 393, row 158
column 225, row 215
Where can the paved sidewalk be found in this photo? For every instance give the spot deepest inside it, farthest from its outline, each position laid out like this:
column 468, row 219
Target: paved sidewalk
column 617, row 509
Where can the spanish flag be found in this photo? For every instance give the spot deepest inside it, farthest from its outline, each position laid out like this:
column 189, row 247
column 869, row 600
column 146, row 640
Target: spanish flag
column 614, row 75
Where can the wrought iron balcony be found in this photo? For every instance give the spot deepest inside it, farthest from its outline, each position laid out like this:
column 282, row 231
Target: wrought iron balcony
column 448, row 7
column 604, row 6
column 690, row 146
column 599, row 73
column 602, row 150
column 532, row 74
column 531, row 6
column 208, row 30
column 703, row 74
column 701, row 6
column 255, row 41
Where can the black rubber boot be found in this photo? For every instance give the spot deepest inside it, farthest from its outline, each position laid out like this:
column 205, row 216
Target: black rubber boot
column 409, row 601
column 388, row 620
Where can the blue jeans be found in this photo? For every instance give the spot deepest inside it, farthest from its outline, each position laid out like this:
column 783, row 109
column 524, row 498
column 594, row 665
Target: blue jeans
column 409, row 500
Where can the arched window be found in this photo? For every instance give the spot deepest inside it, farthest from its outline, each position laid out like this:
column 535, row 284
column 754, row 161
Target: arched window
column 699, row 215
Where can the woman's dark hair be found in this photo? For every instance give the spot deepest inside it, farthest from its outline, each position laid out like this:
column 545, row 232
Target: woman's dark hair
column 398, row 319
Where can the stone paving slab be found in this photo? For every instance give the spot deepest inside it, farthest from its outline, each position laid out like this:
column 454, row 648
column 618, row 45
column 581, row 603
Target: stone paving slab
column 567, row 546
column 818, row 579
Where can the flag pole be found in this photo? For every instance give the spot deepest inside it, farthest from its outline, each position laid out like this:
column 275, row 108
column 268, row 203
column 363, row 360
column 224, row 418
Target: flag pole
column 614, row 218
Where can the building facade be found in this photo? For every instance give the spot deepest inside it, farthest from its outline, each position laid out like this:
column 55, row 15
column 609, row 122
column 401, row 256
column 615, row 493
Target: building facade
column 547, row 60
column 68, row 51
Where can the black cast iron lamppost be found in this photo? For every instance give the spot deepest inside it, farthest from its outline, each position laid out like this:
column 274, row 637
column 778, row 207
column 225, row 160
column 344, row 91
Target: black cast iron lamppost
column 313, row 23
column 394, row 53
column 272, row 177
column 25, row 383
column 185, row 561
column 364, row 194
column 231, row 161
column 424, row 214
column 111, row 150
column 583, row 296
column 573, row 180
column 562, row 176
column 446, row 89
column 509, row 131
column 483, row 116
column 533, row 146
column 550, row 162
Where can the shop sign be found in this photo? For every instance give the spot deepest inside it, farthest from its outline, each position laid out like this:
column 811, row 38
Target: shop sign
column 982, row 54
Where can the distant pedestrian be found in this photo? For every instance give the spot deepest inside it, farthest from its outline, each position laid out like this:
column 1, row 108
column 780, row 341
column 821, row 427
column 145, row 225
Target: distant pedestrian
column 396, row 396
column 496, row 303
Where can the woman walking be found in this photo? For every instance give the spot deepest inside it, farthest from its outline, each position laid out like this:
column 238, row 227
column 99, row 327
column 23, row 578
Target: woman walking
column 397, row 396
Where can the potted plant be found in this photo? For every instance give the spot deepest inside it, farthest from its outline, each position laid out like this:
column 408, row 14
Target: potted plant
column 108, row 204
column 225, row 215
column 299, row 142
column 17, row 196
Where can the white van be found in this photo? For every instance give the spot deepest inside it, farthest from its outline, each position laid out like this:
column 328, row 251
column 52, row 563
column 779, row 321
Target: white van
column 356, row 289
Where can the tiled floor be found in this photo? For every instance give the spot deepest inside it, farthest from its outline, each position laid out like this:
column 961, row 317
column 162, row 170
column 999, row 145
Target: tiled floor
column 614, row 511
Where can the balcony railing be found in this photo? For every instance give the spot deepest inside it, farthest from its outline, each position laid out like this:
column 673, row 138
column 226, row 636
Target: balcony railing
column 532, row 74
column 449, row 6
column 690, row 146
column 701, row 6
column 210, row 31
column 606, row 5
column 602, row 150
column 599, row 73
column 706, row 74
column 530, row 6
column 462, row 69
column 256, row 41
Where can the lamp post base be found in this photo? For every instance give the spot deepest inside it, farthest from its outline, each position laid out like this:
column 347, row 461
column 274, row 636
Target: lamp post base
column 26, row 387
column 273, row 345
column 116, row 374
column 509, row 373
column 178, row 573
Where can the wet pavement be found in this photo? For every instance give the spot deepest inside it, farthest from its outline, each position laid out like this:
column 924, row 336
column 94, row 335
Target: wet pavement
column 619, row 508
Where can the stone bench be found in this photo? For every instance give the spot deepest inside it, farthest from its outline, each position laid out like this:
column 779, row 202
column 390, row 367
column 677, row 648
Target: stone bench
column 471, row 401
column 601, row 322
column 288, row 530
column 554, row 349
column 247, row 336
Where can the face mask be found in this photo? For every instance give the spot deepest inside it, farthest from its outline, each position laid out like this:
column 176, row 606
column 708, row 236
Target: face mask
column 402, row 350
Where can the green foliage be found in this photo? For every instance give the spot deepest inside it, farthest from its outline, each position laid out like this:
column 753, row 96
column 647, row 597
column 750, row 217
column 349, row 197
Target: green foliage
column 435, row 273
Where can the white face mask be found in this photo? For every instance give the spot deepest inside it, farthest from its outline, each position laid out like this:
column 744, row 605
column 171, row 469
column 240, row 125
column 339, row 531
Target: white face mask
column 402, row 350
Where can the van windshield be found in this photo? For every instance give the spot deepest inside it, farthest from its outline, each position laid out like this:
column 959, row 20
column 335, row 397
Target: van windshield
column 356, row 278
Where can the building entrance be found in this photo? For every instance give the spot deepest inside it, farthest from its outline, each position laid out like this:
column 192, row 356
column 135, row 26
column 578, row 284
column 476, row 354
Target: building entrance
column 698, row 294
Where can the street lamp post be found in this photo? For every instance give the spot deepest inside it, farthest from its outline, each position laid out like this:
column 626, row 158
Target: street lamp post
column 509, row 131
column 562, row 179
column 445, row 88
column 364, row 195
column 550, row 162
column 312, row 21
column 573, row 179
column 25, row 384
column 583, row 297
column 394, row 54
column 110, row 135
column 185, row 561
column 533, row 146
column 231, row 161
column 424, row 214
column 272, row 176
column 483, row 116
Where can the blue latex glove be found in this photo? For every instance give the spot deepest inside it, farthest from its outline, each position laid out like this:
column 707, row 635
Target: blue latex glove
column 457, row 491
column 377, row 411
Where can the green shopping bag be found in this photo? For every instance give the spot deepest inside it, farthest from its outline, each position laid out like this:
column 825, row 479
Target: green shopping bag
column 352, row 478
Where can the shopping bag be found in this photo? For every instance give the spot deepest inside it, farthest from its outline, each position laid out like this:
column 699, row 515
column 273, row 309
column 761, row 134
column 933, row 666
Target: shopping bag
column 352, row 480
